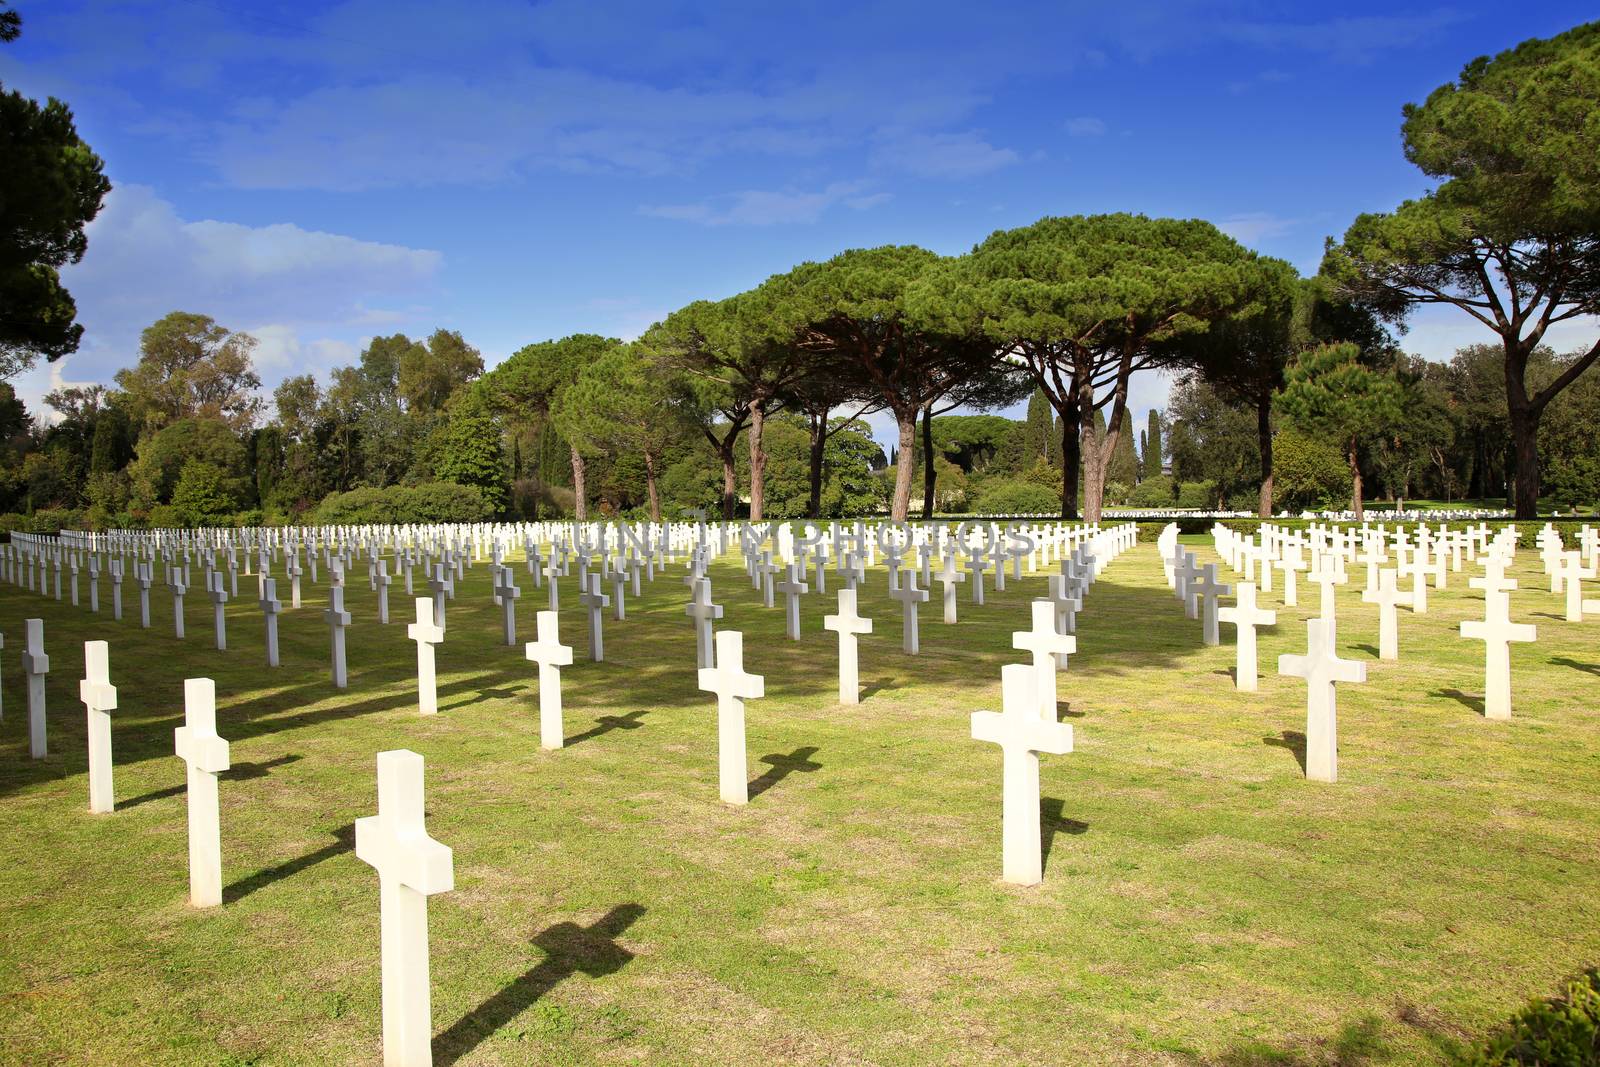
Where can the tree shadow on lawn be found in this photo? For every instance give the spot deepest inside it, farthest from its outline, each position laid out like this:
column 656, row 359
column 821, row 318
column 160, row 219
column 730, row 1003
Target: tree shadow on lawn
column 569, row 949
column 1294, row 741
column 1358, row 1043
column 1052, row 821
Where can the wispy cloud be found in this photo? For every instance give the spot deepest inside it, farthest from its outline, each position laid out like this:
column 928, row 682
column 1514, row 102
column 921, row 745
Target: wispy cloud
column 1084, row 126
column 940, row 155
column 1255, row 226
column 759, row 207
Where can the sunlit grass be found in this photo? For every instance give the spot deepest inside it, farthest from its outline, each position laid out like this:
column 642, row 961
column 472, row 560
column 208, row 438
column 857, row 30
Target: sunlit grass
column 1202, row 901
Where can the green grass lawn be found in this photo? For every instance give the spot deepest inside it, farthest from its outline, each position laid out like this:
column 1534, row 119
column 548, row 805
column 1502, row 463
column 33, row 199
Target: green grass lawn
column 1202, row 902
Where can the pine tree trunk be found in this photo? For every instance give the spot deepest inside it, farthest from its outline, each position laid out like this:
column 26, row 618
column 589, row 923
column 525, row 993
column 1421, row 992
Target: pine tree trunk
column 758, row 458
column 1071, row 456
column 901, row 505
column 1525, row 448
column 580, row 493
column 929, row 475
column 1264, row 443
column 730, row 477
column 819, row 443
column 1355, row 480
column 650, row 487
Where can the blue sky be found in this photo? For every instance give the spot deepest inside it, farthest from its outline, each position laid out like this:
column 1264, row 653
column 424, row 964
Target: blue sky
column 317, row 174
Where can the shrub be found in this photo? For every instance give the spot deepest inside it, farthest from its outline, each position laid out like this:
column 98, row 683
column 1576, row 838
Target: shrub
column 1015, row 497
column 204, row 495
column 1561, row 1031
column 1154, row 492
column 429, row 502
column 1307, row 474
column 1197, row 496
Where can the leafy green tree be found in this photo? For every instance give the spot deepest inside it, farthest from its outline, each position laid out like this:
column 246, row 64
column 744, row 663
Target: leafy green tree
column 1213, row 440
column 530, row 384
column 621, row 403
column 111, row 448
column 428, row 375
column 1328, row 391
column 204, row 494
column 190, row 367
column 1084, row 302
column 1511, row 235
column 1570, row 446
column 971, row 442
column 51, row 187
column 467, row 449
column 162, row 455
column 1426, row 429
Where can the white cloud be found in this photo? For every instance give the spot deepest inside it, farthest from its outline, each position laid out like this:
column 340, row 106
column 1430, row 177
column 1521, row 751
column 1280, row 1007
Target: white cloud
column 1085, row 126
column 940, row 155
column 1255, row 226
column 311, row 295
column 758, row 207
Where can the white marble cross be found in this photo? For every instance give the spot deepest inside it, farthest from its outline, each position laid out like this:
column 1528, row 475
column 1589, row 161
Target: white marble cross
column 1388, row 597
column 1050, row 650
column 1328, row 576
column 178, row 591
column 1497, row 631
column 1321, row 667
column 381, row 580
column 1414, row 566
column 505, row 587
column 218, row 593
column 950, row 576
column 35, row 664
column 1571, row 572
column 733, row 687
column 1021, row 735
column 910, row 598
column 99, row 698
column 703, row 611
column 1208, row 589
column 206, row 754
column 337, row 619
column 441, row 585
column 270, row 609
column 551, row 655
column 1246, row 616
column 595, row 602
column 426, row 633
column 848, row 625
column 411, row 867
column 793, row 587
column 1067, row 606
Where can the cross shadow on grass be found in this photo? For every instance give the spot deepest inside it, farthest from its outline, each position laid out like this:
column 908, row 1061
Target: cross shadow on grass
column 344, row 841
column 781, row 766
column 1294, row 741
column 1053, row 821
column 1577, row 665
column 1473, row 702
column 607, row 723
column 569, row 949
column 239, row 772
column 1357, row 1044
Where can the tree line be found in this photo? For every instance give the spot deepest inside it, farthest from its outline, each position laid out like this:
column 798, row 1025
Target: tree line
column 1063, row 311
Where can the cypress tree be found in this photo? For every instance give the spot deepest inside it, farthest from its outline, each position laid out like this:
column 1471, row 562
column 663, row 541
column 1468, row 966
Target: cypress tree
column 1152, row 445
column 1038, row 431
